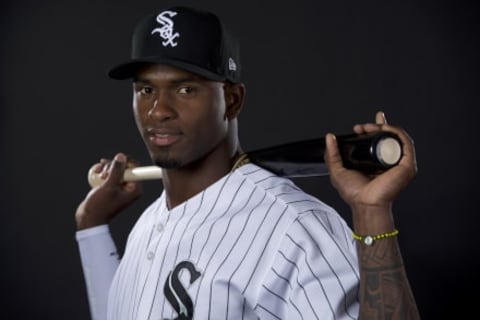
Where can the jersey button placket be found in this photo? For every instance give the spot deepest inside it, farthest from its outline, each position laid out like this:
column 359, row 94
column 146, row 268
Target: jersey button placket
column 160, row 227
column 150, row 255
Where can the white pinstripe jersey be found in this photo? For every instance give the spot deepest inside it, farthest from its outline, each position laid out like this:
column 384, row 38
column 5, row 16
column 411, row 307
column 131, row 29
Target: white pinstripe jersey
column 251, row 246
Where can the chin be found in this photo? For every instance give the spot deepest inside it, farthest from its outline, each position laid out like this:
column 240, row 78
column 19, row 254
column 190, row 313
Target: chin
column 164, row 159
column 167, row 163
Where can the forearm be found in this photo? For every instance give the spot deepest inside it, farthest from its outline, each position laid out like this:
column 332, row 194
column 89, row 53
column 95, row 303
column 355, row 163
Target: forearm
column 99, row 259
column 385, row 291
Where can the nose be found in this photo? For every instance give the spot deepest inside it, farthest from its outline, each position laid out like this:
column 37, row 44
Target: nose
column 161, row 109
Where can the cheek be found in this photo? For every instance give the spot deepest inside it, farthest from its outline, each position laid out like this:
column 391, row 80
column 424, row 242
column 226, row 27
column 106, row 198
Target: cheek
column 209, row 126
column 140, row 117
column 218, row 108
column 140, row 113
column 138, row 122
column 137, row 116
column 215, row 118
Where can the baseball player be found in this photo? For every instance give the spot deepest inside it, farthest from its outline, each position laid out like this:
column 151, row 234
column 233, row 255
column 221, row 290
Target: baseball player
column 227, row 239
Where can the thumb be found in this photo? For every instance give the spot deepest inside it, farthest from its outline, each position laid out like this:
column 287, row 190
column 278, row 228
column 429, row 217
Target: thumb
column 117, row 169
column 332, row 156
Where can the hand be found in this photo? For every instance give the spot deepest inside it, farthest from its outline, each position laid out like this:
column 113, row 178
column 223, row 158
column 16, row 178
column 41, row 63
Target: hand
column 104, row 202
column 367, row 193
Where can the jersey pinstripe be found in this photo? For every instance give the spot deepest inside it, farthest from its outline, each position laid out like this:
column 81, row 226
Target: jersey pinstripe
column 252, row 245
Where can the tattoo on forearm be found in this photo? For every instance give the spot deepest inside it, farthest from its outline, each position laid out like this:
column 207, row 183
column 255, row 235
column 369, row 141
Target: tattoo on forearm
column 386, row 290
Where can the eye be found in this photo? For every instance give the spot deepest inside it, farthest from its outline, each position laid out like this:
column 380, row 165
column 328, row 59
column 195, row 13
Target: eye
column 145, row 90
column 185, row 90
column 142, row 89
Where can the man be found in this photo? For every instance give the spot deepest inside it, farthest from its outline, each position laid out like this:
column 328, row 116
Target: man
column 227, row 239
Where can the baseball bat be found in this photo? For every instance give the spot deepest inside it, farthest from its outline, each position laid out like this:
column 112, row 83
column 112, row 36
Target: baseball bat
column 369, row 153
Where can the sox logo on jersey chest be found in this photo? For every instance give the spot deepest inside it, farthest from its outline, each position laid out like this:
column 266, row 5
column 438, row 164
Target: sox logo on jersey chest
column 176, row 294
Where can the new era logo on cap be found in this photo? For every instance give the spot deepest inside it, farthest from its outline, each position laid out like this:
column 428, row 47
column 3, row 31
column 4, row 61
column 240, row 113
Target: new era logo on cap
column 186, row 38
column 231, row 64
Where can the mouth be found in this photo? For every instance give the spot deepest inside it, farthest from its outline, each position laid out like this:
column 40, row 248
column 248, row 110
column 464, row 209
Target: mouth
column 163, row 137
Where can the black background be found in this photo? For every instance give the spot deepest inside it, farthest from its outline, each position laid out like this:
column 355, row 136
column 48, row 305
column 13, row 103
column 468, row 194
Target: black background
column 309, row 67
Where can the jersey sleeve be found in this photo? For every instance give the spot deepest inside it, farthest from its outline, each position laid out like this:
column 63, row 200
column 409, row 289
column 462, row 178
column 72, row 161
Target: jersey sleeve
column 100, row 260
column 315, row 272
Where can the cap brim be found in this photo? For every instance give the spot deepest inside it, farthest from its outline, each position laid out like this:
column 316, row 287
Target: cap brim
column 128, row 69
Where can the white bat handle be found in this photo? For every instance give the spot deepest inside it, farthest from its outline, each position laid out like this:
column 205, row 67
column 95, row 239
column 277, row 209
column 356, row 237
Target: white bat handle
column 134, row 174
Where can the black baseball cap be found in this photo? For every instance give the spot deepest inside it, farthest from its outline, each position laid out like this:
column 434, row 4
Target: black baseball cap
column 186, row 38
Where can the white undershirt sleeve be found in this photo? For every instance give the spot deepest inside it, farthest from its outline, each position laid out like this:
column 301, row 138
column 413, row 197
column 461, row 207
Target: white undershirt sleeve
column 100, row 260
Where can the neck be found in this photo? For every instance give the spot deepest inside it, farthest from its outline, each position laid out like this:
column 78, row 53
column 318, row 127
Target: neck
column 183, row 183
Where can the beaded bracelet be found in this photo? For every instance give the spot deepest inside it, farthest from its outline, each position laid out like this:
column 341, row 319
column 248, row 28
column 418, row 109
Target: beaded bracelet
column 368, row 240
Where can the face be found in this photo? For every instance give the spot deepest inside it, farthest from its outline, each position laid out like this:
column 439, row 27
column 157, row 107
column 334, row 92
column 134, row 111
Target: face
column 181, row 117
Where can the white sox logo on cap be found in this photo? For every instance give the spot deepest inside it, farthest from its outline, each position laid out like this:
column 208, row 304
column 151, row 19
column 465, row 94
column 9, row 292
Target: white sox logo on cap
column 186, row 38
column 166, row 32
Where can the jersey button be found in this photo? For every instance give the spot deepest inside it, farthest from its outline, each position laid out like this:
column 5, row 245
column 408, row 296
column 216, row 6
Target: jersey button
column 150, row 255
column 160, row 227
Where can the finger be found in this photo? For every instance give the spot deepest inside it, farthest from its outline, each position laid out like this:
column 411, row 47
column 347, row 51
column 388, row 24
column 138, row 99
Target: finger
column 333, row 160
column 366, row 128
column 117, row 169
column 131, row 162
column 103, row 168
column 380, row 118
column 97, row 168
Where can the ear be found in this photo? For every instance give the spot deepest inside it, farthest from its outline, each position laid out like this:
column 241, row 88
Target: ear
column 234, row 98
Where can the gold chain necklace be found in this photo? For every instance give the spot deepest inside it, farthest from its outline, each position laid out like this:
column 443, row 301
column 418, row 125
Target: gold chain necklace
column 243, row 159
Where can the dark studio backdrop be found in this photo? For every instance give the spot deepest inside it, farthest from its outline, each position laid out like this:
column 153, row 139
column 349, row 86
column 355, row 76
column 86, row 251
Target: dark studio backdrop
column 309, row 67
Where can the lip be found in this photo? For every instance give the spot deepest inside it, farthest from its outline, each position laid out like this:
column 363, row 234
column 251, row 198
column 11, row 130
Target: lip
column 162, row 137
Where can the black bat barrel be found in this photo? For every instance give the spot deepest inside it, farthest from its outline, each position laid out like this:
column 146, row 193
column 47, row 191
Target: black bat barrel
column 369, row 153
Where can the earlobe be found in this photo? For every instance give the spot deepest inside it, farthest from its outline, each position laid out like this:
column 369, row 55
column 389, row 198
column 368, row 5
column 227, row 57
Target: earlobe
column 234, row 98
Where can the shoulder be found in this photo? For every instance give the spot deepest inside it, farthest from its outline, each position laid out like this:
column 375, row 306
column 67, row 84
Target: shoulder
column 283, row 190
column 309, row 219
